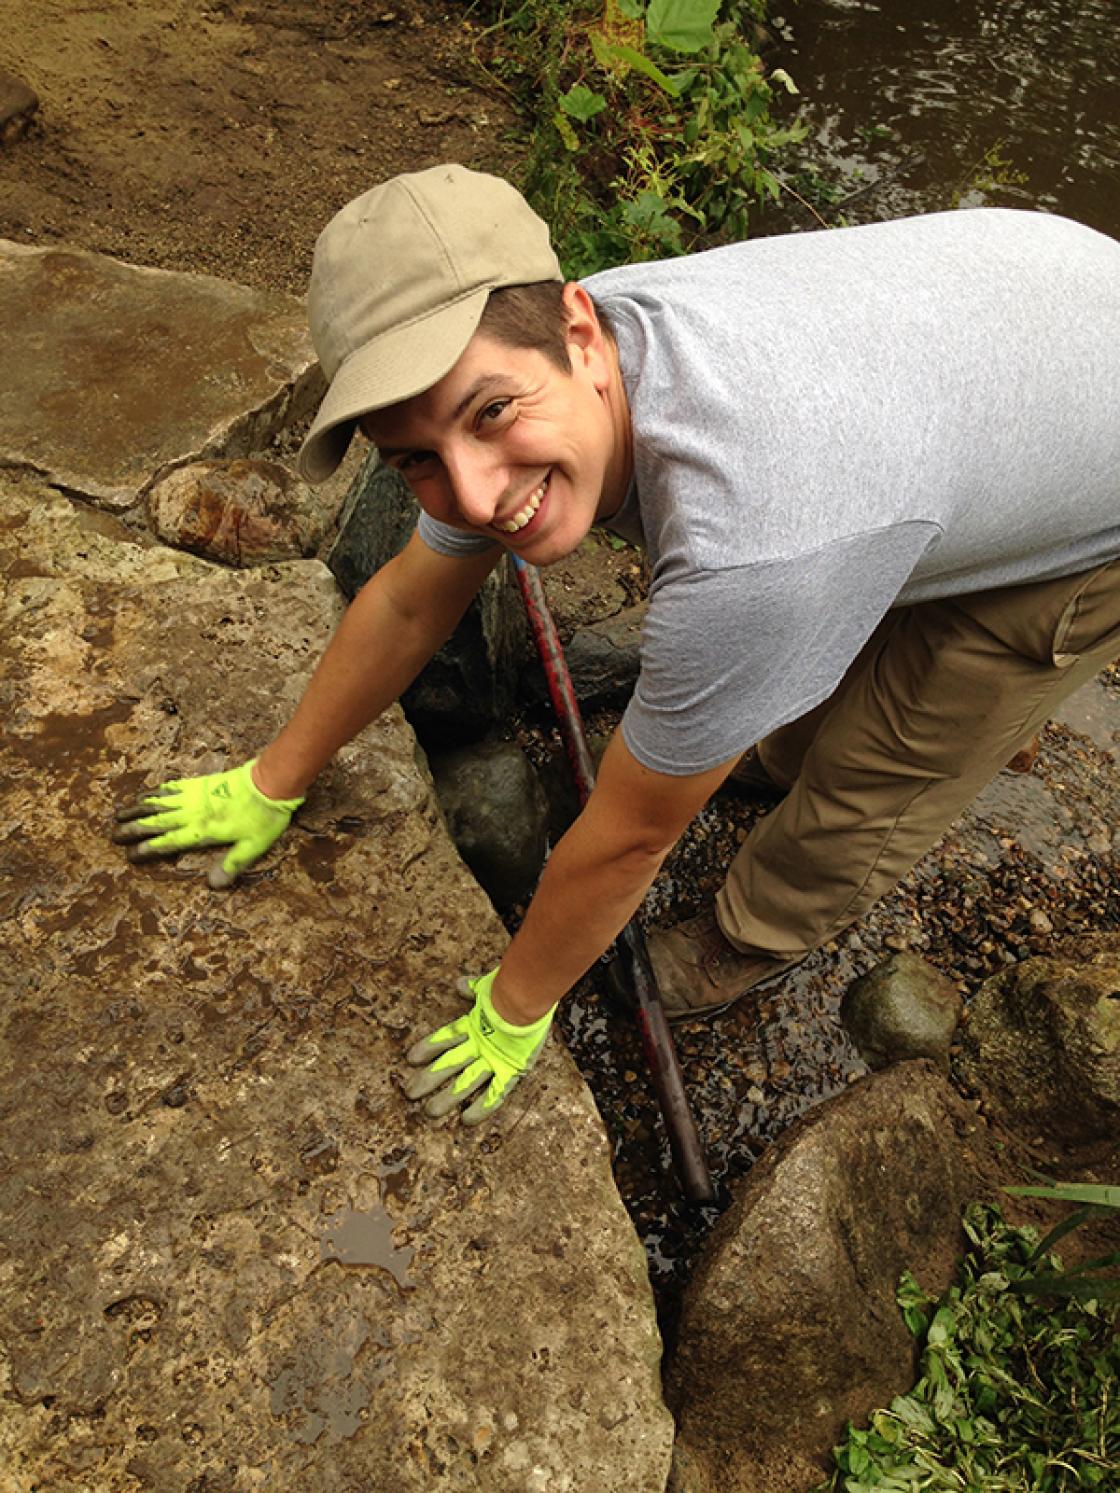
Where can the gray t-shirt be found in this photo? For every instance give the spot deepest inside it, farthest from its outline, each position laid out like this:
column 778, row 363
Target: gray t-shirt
column 830, row 424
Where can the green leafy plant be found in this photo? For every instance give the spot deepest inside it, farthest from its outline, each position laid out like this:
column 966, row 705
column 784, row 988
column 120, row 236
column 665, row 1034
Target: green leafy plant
column 652, row 121
column 1086, row 1281
column 1013, row 1395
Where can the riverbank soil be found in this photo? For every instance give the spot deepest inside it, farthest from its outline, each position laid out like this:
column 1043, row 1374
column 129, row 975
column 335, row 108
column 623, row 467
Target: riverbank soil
column 221, row 137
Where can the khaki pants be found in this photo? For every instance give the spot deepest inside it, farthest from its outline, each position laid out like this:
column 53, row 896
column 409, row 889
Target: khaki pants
column 942, row 695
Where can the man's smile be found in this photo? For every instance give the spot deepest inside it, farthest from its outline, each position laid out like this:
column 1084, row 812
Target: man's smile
column 524, row 516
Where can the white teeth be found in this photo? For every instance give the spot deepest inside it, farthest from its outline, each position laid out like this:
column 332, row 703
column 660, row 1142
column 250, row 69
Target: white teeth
column 519, row 520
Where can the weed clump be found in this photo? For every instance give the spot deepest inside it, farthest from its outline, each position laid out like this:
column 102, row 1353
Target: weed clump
column 652, row 130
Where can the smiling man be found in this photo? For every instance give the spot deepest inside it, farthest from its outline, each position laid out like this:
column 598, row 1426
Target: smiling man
column 877, row 472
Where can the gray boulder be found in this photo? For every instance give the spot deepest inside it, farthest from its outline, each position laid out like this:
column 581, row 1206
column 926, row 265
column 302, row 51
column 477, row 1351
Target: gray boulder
column 231, row 1249
column 470, row 685
column 903, row 1008
column 790, row 1326
column 497, row 814
column 1043, row 1043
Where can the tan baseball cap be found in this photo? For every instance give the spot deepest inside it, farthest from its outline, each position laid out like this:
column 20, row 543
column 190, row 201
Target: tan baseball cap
column 399, row 282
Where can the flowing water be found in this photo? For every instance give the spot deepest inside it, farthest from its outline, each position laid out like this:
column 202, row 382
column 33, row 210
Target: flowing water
column 942, row 103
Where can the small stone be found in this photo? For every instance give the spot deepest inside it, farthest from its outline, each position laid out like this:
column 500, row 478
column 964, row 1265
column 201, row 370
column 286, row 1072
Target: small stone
column 901, row 1009
column 18, row 105
column 1040, row 922
column 240, row 513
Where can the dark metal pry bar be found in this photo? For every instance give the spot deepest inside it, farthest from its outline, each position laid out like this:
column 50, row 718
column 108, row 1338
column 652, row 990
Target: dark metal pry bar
column 630, row 946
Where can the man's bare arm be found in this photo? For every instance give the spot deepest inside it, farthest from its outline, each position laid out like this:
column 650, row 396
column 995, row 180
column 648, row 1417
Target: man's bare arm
column 394, row 625
column 596, row 878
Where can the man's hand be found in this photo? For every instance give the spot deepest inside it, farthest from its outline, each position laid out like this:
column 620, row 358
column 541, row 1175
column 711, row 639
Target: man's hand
column 223, row 808
column 480, row 1057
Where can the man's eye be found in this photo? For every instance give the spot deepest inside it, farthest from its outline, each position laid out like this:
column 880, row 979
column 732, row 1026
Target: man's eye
column 412, row 460
column 493, row 411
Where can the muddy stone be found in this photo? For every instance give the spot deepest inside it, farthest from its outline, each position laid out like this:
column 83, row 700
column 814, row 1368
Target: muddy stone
column 1043, row 1044
column 126, row 372
column 18, row 105
column 197, row 1090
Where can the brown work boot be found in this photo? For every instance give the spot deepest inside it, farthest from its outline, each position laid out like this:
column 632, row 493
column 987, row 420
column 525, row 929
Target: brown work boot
column 699, row 973
column 750, row 777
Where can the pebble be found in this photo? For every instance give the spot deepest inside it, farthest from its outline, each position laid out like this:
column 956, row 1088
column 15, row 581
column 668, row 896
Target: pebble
column 18, row 105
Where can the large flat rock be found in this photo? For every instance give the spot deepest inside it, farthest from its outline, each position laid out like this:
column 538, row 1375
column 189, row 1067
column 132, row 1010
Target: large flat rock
column 114, row 373
column 232, row 1255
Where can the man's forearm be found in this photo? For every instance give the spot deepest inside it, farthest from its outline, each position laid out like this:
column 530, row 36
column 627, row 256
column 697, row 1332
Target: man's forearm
column 596, row 878
column 371, row 659
column 586, row 896
column 389, row 632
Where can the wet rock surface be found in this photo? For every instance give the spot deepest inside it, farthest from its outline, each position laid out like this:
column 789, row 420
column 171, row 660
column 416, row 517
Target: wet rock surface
column 903, row 1008
column 125, row 372
column 232, row 1254
column 790, row 1326
column 1043, row 1043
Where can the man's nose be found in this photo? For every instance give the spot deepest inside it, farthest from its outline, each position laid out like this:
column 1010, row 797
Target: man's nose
column 478, row 480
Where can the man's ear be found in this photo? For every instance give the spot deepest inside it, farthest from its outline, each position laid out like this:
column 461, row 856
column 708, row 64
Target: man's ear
column 586, row 341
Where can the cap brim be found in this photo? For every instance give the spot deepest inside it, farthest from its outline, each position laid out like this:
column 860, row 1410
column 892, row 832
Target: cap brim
column 404, row 362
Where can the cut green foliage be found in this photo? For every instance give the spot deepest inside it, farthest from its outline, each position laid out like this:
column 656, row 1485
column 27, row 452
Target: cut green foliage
column 1013, row 1394
column 651, row 125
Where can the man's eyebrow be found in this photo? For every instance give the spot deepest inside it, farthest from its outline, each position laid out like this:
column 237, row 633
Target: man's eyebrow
column 480, row 386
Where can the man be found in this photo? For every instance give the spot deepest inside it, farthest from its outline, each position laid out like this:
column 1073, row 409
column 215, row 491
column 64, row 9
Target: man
column 877, row 472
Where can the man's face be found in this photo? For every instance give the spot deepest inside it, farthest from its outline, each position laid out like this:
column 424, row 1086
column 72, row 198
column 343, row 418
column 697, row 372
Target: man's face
column 509, row 446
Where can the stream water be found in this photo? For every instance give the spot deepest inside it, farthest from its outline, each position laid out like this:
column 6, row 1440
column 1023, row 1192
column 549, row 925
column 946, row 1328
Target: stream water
column 941, row 103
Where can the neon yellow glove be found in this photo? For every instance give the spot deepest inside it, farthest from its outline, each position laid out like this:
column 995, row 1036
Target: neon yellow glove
column 222, row 808
column 479, row 1054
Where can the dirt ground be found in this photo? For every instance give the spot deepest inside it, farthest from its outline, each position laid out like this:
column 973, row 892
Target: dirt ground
column 220, row 137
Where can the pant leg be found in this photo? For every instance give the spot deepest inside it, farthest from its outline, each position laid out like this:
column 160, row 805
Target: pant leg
column 935, row 705
column 783, row 751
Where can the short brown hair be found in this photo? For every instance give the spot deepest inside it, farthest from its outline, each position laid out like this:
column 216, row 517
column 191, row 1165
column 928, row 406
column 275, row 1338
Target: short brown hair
column 532, row 316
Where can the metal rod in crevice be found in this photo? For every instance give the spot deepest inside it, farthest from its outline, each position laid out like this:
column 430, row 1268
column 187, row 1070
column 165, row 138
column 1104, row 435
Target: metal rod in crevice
column 637, row 975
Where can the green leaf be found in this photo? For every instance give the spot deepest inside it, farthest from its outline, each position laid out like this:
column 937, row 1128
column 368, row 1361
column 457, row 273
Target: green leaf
column 682, row 25
column 1073, row 1192
column 610, row 55
column 631, row 9
column 581, row 103
column 779, row 75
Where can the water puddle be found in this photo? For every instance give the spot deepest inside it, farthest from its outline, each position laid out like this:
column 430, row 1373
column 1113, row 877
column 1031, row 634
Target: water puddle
column 353, row 1237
